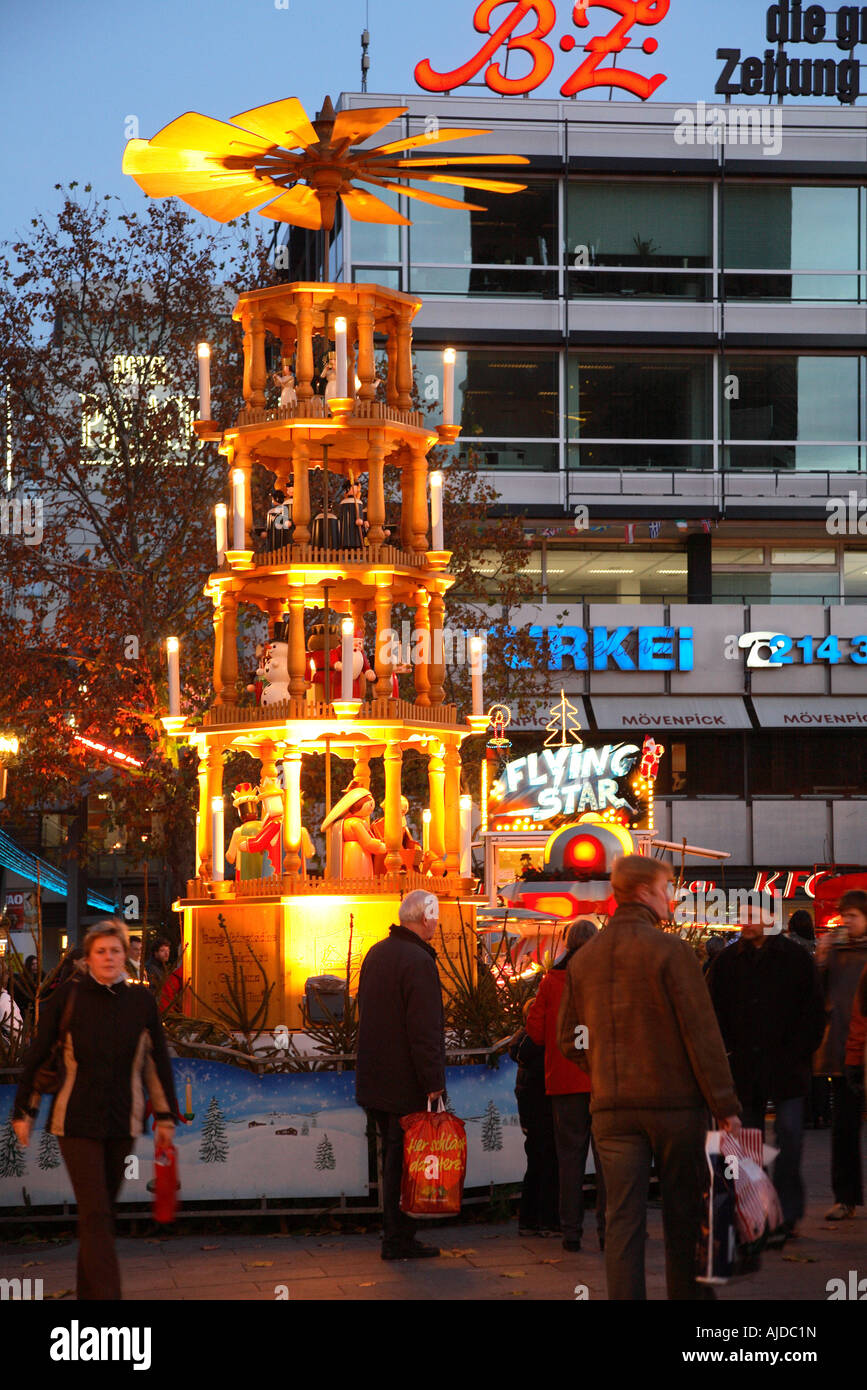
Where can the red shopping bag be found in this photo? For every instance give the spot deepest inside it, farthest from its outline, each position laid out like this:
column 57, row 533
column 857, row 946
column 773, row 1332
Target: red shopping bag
column 166, row 1184
column 434, row 1163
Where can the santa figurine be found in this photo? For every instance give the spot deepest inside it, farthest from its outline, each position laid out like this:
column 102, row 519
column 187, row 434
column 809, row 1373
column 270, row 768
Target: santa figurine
column 353, row 846
column 352, row 525
column 247, row 863
column 268, row 840
column 285, row 382
column 363, row 674
column 410, row 849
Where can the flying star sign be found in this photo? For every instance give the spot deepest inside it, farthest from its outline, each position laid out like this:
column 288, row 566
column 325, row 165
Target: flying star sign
column 590, row 74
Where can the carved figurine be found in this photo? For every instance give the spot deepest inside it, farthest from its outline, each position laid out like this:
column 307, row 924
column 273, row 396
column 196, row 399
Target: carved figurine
column 316, row 654
column 353, row 526
column 410, row 849
column 363, row 674
column 328, row 537
column 247, row 862
column 268, row 840
column 275, row 669
column 329, row 376
column 278, row 530
column 286, row 383
column 353, row 846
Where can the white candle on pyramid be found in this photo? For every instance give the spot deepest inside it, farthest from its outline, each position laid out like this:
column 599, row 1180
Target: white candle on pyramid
column 449, row 357
column 218, row 839
column 347, row 654
column 174, row 665
column 476, row 651
column 239, row 504
column 340, row 353
column 203, row 352
column 436, row 510
column 221, row 515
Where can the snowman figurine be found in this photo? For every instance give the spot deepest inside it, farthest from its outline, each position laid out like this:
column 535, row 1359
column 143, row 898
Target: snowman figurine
column 275, row 673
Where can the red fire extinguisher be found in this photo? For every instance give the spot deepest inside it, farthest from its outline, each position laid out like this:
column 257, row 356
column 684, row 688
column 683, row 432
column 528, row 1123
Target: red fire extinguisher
column 166, row 1183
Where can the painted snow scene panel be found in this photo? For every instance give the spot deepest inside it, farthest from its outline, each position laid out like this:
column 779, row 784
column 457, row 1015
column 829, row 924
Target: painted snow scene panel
column 484, row 1098
column 288, row 1135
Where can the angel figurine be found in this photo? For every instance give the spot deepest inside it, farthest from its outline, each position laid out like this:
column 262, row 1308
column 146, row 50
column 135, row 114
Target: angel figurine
column 286, row 383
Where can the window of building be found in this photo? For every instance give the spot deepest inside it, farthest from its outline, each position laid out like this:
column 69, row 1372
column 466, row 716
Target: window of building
column 647, row 240
column 784, row 230
column 507, row 405
column 790, row 412
column 784, row 763
column 855, row 575
column 776, row 574
column 507, row 248
column 703, row 765
column 625, row 575
column 640, row 410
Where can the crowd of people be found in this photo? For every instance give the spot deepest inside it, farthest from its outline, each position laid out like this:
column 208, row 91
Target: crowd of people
column 632, row 1050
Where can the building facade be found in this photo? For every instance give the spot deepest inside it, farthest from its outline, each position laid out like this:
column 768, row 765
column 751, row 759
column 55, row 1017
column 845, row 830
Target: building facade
column 662, row 365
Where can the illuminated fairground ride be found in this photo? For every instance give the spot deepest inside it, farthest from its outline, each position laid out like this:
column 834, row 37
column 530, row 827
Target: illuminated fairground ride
column 298, row 924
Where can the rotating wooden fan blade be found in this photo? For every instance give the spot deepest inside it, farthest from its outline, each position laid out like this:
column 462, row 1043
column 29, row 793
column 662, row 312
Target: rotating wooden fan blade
column 193, row 131
column 358, row 125
column 224, row 205
column 141, row 157
column 282, row 122
column 461, row 159
column 435, row 199
column 413, row 141
column 167, row 185
column 366, row 207
column 490, row 185
column 298, row 205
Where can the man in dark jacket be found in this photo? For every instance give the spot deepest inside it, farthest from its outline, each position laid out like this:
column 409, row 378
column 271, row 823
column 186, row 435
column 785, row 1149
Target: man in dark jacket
column 401, row 1051
column 768, row 1000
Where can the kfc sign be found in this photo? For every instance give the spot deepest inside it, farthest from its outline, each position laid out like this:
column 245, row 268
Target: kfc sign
column 781, row 883
column 532, row 41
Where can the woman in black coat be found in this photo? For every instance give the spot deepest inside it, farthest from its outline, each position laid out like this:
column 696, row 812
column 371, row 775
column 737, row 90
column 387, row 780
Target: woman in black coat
column 114, row 1056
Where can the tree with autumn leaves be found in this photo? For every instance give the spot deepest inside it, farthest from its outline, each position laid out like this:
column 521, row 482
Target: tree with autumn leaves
column 100, row 314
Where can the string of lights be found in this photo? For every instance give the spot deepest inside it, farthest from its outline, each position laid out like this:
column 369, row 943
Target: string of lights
column 26, row 866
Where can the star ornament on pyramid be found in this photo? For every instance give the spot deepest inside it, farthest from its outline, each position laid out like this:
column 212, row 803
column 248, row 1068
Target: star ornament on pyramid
column 273, row 159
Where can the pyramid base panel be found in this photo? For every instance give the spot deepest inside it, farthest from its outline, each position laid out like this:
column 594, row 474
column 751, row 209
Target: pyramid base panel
column 293, row 938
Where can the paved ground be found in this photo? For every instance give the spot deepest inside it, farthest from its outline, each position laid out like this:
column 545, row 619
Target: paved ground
column 479, row 1261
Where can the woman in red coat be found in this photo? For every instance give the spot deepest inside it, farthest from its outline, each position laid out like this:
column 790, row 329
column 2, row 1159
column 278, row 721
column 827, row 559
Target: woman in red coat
column 569, row 1089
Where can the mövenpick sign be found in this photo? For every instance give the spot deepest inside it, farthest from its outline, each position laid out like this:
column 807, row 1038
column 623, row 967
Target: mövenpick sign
column 531, row 41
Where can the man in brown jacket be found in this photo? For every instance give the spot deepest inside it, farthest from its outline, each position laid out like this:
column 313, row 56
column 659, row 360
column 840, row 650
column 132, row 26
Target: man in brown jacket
column 637, row 1015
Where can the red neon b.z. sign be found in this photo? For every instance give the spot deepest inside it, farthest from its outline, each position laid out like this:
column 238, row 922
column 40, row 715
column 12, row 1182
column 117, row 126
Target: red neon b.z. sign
column 590, row 74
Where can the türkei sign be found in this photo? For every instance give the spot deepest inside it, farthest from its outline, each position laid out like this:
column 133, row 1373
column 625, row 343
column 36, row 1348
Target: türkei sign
column 525, row 31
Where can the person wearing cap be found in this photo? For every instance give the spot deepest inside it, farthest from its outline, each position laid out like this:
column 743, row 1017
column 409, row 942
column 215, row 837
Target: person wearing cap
column 246, row 862
column 401, row 1051
column 354, row 847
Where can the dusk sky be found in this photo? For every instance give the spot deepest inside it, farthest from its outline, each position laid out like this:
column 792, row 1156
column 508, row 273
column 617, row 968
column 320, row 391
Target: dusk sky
column 74, row 72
